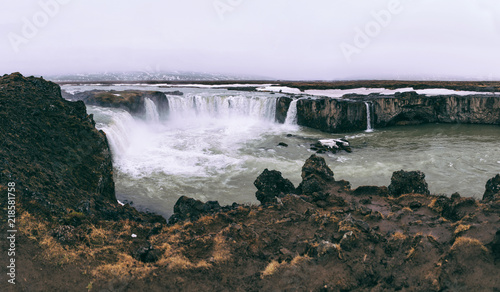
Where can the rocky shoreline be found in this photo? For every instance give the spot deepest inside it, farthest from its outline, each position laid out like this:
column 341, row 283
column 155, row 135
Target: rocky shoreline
column 318, row 236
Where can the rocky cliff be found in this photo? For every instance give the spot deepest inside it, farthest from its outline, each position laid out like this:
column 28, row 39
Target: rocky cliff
column 332, row 115
column 350, row 114
column 51, row 150
column 417, row 109
column 130, row 100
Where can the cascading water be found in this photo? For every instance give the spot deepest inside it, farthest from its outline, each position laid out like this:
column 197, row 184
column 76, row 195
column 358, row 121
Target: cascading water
column 291, row 115
column 151, row 111
column 368, row 118
column 222, row 106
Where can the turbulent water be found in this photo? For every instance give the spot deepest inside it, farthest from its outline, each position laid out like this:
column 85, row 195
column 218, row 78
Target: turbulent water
column 214, row 143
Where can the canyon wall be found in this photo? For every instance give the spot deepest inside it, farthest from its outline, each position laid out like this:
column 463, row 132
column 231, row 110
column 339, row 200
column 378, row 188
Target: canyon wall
column 410, row 108
column 332, row 115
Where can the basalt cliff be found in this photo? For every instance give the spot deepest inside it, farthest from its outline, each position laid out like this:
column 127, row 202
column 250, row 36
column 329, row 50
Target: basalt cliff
column 318, row 236
column 351, row 112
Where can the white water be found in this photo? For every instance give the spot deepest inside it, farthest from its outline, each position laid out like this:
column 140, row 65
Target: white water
column 291, row 115
column 368, row 118
column 151, row 111
column 212, row 146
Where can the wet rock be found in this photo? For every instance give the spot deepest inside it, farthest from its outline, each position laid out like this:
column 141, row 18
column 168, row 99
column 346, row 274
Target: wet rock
column 406, row 182
column 282, row 105
column 130, row 100
column 271, row 184
column 492, row 191
column 331, row 145
column 282, row 144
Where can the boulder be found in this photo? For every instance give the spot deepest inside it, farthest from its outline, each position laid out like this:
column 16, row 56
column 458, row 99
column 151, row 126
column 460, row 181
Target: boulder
column 315, row 176
column 190, row 209
column 492, row 191
column 271, row 184
column 406, row 182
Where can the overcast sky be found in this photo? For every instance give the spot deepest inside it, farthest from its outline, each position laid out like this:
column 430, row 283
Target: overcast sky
column 284, row 39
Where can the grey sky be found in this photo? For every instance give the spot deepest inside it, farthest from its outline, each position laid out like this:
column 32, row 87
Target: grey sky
column 294, row 39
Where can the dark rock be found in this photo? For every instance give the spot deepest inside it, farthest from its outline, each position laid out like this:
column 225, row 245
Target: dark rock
column 282, row 144
column 65, row 234
column 371, row 191
column 455, row 196
column 315, row 176
column 415, row 205
column 282, row 105
column 176, row 92
column 146, row 253
column 331, row 115
column 190, row 209
column 406, row 182
column 492, row 191
column 59, row 161
column 271, row 184
column 130, row 100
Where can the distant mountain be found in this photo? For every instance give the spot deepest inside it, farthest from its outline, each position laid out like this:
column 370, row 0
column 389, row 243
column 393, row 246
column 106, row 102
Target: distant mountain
column 148, row 76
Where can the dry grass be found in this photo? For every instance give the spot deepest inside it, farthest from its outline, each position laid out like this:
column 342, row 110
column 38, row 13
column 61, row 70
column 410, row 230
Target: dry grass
column 461, row 228
column 398, row 236
column 410, row 253
column 466, row 242
column 124, row 268
column 271, row 268
column 31, row 226
column 275, row 266
column 221, row 252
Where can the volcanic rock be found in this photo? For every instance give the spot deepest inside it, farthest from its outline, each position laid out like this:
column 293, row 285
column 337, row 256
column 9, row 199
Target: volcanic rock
column 189, row 208
column 51, row 150
column 271, row 184
column 405, row 182
column 315, row 176
column 282, row 105
column 130, row 100
column 492, row 191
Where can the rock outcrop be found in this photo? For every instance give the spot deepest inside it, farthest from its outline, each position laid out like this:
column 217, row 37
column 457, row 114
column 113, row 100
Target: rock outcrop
column 270, row 185
column 408, row 108
column 492, row 189
column 332, row 115
column 130, row 100
column 407, row 182
column 51, row 150
column 282, row 106
column 190, row 209
column 316, row 175
column 411, row 108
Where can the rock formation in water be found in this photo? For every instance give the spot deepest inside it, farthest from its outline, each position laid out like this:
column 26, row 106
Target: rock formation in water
column 130, row 100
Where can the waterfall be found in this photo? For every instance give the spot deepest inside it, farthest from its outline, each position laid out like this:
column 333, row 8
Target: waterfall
column 368, row 117
column 118, row 132
column 151, row 111
column 222, row 106
column 291, row 114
